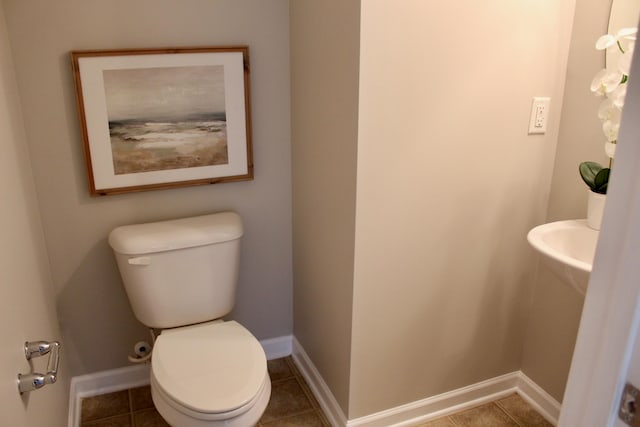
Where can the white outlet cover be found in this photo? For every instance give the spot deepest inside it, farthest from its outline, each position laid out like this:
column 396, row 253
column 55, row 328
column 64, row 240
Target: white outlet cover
column 539, row 115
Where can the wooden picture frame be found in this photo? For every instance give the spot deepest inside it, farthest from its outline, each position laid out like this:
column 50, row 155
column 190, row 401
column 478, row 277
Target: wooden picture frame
column 164, row 118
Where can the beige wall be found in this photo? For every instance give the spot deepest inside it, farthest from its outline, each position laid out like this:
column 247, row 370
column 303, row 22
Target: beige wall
column 98, row 326
column 551, row 333
column 324, row 81
column 448, row 185
column 555, row 317
column 26, row 312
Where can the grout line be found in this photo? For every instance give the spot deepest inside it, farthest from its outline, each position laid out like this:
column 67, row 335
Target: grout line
column 307, row 391
column 282, row 380
column 308, row 394
column 292, row 366
column 99, row 421
column 322, row 417
column 504, row 411
column 288, row 416
column 131, row 408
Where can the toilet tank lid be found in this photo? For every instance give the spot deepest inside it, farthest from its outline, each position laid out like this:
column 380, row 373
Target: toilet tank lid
column 176, row 234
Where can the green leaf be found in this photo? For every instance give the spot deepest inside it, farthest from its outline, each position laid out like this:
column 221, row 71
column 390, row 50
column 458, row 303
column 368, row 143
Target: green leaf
column 601, row 181
column 588, row 172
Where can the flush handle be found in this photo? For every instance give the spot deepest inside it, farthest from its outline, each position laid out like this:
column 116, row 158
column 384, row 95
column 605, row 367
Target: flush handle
column 141, row 260
column 34, row 381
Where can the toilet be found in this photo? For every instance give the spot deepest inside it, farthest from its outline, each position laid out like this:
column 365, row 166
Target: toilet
column 180, row 277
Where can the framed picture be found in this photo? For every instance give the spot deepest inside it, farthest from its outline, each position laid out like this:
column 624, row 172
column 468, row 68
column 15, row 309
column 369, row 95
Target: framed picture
column 164, row 118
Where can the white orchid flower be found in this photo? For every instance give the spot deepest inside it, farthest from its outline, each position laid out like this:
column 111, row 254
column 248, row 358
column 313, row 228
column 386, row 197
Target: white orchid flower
column 606, row 81
column 621, row 36
column 610, row 149
column 618, row 95
column 609, row 111
column 605, row 42
column 610, row 129
column 612, row 84
column 627, row 33
column 624, row 63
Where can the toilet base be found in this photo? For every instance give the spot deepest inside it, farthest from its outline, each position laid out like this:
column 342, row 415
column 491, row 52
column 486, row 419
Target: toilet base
column 178, row 418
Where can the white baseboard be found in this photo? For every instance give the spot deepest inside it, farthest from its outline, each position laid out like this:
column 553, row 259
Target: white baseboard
column 104, row 382
column 539, row 399
column 328, row 403
column 275, row 348
column 138, row 375
column 432, row 407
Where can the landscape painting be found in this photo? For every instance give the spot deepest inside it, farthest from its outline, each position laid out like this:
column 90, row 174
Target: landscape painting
column 164, row 118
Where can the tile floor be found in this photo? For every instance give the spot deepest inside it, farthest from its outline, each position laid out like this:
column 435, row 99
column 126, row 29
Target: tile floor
column 293, row 405
column 511, row 411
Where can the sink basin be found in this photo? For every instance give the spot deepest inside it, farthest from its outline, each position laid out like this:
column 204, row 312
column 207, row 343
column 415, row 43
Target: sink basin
column 568, row 248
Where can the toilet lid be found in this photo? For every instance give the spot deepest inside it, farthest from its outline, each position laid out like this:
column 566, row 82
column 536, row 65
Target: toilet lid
column 213, row 367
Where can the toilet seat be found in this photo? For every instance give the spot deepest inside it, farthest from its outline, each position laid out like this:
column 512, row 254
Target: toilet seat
column 209, row 371
column 178, row 415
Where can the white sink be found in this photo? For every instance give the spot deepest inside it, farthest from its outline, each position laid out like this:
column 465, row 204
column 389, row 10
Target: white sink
column 568, row 248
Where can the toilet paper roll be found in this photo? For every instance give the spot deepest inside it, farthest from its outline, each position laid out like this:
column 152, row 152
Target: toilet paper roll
column 142, row 348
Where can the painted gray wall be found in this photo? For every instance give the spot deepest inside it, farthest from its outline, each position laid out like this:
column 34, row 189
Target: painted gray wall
column 97, row 323
column 325, row 50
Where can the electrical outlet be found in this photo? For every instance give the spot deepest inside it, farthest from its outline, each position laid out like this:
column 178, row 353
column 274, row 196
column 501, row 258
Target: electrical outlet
column 539, row 115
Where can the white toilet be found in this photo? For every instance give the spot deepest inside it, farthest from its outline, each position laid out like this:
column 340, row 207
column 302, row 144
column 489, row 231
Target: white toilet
column 180, row 277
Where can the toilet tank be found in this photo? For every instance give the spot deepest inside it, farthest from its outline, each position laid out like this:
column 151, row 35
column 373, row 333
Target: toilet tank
column 182, row 271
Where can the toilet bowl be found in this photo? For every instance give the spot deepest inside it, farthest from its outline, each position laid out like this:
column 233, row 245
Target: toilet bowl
column 209, row 375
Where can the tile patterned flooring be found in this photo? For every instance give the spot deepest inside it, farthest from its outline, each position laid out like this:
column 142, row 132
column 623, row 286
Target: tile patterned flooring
column 511, row 411
column 292, row 405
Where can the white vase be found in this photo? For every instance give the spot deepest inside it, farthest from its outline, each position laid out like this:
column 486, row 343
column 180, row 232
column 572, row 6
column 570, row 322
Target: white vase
column 595, row 207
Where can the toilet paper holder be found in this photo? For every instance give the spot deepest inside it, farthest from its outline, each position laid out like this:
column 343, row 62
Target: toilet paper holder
column 34, row 381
